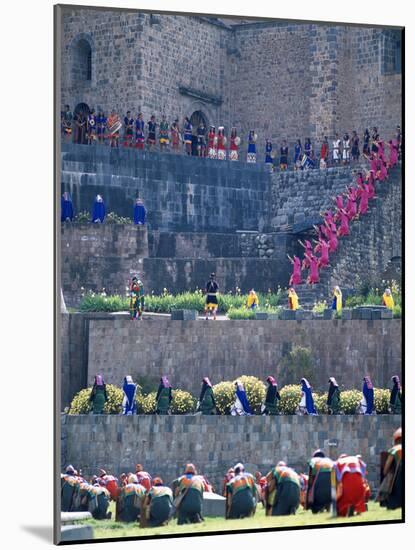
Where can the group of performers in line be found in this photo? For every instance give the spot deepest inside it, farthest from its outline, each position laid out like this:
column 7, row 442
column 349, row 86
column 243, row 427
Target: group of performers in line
column 98, row 128
column 338, row 485
column 98, row 210
column 206, row 404
column 350, row 206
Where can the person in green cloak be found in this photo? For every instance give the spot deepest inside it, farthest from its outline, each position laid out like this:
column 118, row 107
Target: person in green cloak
column 207, row 403
column 98, row 396
column 333, row 398
column 164, row 396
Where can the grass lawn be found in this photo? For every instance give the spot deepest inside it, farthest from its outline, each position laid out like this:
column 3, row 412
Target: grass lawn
column 109, row 528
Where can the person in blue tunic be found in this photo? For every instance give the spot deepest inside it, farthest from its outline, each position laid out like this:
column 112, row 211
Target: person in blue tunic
column 187, row 135
column 306, row 405
column 98, row 211
column 298, row 154
column 367, row 404
column 251, row 155
column 129, row 405
column 66, row 207
column 241, row 407
column 139, row 212
column 268, row 152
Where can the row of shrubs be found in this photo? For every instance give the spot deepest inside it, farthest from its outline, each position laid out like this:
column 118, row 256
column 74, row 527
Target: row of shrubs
column 185, row 403
column 166, row 302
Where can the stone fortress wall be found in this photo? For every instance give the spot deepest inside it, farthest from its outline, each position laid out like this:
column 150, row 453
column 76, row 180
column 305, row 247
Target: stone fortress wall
column 284, row 79
column 214, row 444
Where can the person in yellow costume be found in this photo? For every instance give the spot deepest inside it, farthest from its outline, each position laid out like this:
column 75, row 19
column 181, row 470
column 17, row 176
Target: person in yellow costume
column 337, row 299
column 293, row 302
column 252, row 301
column 387, row 299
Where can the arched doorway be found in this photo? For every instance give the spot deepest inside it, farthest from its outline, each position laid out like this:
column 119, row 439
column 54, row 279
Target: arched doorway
column 79, row 135
column 196, row 118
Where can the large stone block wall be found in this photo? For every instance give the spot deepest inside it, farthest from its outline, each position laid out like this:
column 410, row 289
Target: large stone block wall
column 214, row 444
column 180, row 193
column 287, row 80
column 98, row 256
column 187, row 351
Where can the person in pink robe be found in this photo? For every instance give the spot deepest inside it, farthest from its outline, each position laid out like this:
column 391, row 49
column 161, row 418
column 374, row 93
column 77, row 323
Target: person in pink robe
column 383, row 172
column 314, row 276
column 373, row 163
column 351, row 206
column 295, row 278
column 381, row 150
column 371, row 185
column 344, row 224
column 306, row 245
column 339, row 203
column 333, row 242
column 364, row 199
column 323, row 248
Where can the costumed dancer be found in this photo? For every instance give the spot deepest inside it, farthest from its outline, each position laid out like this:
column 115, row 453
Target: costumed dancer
column 387, row 299
column 101, row 126
column 164, row 133
column 221, row 151
column 306, row 405
column 351, row 205
column 98, row 396
column 187, row 135
column 130, row 501
column 295, row 278
column 206, row 404
column 322, row 247
column 343, row 230
column 337, row 303
column 211, row 305
column 164, row 396
column 151, row 136
column 252, row 302
column 351, row 486
column 136, row 299
column 129, row 405
column 139, row 212
column 241, row 406
column 114, row 124
column 66, row 123
column 271, row 398
column 367, row 404
column 241, row 494
column 324, row 153
column 201, row 139
column 308, row 149
column 69, row 487
column 355, row 146
column 282, row 493
column 81, row 130
column 336, row 149
column 366, row 139
column 391, row 489
column 128, row 130
column 212, row 143
column 144, row 478
column 314, row 276
column 66, row 207
column 230, row 474
column 234, row 145
column 98, row 210
column 97, row 501
column 363, row 193
column 189, row 496
column 268, row 152
column 91, row 127
column 284, row 156
column 139, row 132
column 346, row 149
column 395, row 400
column 333, row 397
column 175, row 136
column 251, row 154
column 298, row 154
column 319, row 482
column 293, row 302
column 157, row 506
column 375, row 140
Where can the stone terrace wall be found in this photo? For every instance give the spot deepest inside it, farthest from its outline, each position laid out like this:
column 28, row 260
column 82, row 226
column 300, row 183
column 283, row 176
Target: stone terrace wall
column 97, row 256
column 180, row 193
column 213, row 444
column 189, row 350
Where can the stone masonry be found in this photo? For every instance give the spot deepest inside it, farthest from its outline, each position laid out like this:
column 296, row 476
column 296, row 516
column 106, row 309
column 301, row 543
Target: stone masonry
column 214, row 444
column 286, row 80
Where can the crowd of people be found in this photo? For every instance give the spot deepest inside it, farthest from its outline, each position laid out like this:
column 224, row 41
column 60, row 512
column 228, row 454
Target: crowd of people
column 131, row 131
column 339, row 485
column 350, row 206
column 206, row 404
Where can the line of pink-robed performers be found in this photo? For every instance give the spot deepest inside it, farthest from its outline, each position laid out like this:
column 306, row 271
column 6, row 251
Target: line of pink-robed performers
column 350, row 205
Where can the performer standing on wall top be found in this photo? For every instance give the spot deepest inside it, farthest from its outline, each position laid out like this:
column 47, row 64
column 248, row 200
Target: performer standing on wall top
column 101, row 127
column 139, row 212
column 251, row 155
column 212, row 143
column 212, row 289
column 187, row 135
column 151, row 138
column 324, row 153
column 221, row 143
column 284, row 156
column 201, row 139
column 164, row 133
column 268, row 152
column 336, row 149
column 175, row 136
column 139, row 132
column 66, row 122
column 66, row 207
column 298, row 153
column 234, row 146
column 128, row 130
column 136, row 299
column 98, row 210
